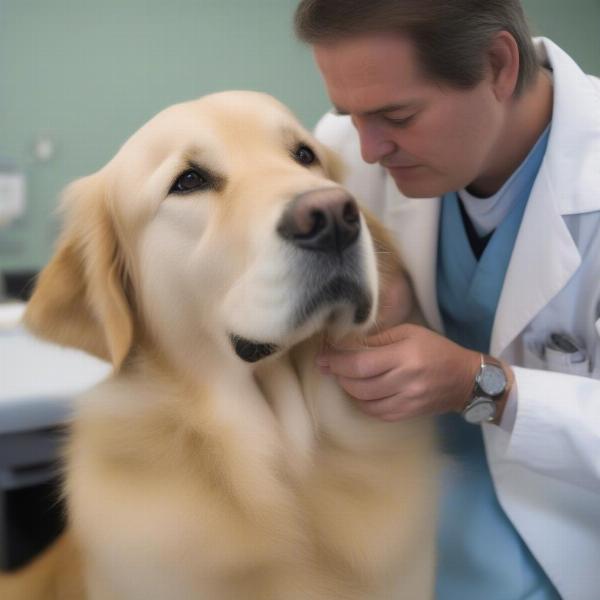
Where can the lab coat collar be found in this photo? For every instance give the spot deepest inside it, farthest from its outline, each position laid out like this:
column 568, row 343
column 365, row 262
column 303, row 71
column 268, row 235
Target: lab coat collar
column 415, row 221
column 572, row 161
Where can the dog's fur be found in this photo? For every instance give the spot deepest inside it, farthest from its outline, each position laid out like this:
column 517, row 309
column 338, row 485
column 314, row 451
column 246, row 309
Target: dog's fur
column 194, row 474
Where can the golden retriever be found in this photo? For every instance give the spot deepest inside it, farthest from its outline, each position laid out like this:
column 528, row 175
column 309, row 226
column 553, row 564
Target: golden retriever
column 207, row 261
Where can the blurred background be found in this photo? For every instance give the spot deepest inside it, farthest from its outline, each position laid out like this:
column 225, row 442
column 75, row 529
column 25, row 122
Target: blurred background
column 77, row 78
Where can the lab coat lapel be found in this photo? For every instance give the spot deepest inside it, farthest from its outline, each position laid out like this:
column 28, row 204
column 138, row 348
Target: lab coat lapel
column 543, row 260
column 545, row 255
column 415, row 224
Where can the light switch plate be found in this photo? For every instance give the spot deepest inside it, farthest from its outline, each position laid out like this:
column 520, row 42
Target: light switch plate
column 12, row 196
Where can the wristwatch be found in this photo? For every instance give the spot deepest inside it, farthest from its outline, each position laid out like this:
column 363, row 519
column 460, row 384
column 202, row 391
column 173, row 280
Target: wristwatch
column 490, row 384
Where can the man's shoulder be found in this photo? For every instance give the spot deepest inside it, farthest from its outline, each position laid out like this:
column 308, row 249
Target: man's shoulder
column 366, row 181
column 336, row 131
column 595, row 82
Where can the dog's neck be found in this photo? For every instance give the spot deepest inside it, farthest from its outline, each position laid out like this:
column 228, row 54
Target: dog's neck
column 265, row 425
column 274, row 407
column 254, row 398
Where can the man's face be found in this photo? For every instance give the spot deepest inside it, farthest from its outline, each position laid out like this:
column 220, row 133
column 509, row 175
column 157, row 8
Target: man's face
column 430, row 137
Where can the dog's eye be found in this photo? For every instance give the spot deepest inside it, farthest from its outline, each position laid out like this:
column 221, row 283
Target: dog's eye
column 304, row 155
column 191, row 180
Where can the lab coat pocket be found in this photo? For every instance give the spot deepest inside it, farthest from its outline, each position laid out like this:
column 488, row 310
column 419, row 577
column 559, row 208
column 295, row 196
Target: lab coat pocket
column 534, row 357
column 560, row 353
column 566, row 354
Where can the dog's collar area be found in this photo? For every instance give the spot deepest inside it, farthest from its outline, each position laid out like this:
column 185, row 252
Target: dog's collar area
column 250, row 351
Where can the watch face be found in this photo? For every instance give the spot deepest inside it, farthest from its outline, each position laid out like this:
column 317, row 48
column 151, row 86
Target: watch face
column 480, row 411
column 492, row 380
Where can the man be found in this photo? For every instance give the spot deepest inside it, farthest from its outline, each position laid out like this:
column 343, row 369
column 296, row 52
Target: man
column 480, row 150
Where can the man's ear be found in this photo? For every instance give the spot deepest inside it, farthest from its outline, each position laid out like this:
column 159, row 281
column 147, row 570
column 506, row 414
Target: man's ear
column 503, row 56
column 80, row 297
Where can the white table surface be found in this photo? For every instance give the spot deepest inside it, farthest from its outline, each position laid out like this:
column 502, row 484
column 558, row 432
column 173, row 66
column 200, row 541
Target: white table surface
column 38, row 381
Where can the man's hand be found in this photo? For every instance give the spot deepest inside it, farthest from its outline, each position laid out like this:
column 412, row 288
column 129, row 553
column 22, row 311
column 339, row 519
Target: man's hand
column 403, row 372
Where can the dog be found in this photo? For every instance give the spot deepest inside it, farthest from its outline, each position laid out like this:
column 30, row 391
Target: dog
column 208, row 261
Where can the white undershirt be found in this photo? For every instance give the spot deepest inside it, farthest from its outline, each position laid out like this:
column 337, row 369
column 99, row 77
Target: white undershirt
column 487, row 213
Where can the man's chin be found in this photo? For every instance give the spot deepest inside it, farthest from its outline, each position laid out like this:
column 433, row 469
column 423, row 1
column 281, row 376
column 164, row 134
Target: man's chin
column 415, row 184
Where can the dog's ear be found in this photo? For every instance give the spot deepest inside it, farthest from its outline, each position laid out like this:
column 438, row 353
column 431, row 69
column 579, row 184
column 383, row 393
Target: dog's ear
column 397, row 300
column 80, row 297
column 389, row 262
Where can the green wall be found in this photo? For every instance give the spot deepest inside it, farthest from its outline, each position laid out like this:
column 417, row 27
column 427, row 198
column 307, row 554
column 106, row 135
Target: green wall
column 572, row 24
column 88, row 73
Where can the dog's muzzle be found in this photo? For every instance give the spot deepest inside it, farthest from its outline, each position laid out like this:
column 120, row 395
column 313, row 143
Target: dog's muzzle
column 323, row 226
column 339, row 291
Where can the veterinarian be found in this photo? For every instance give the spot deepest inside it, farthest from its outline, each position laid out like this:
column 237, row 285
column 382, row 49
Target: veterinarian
column 480, row 149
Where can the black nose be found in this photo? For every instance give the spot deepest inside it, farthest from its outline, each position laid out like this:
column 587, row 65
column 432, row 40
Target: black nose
column 327, row 220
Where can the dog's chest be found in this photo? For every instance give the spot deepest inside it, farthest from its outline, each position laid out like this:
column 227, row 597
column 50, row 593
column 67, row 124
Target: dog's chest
column 261, row 507
column 336, row 537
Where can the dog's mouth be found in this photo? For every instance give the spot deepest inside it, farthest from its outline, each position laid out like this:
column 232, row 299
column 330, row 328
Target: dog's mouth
column 251, row 351
column 340, row 303
column 338, row 292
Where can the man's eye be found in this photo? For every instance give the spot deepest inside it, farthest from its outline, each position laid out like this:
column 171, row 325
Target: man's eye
column 304, row 155
column 191, row 180
column 399, row 122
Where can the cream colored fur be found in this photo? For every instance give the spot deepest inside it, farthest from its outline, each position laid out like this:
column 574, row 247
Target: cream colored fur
column 191, row 474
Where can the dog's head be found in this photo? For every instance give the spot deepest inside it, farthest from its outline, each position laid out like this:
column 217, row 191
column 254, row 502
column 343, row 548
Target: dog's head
column 220, row 220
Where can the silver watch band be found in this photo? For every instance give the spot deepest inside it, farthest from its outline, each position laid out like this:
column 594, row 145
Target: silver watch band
column 489, row 386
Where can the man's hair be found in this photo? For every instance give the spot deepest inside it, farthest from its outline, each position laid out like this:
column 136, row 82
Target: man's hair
column 451, row 37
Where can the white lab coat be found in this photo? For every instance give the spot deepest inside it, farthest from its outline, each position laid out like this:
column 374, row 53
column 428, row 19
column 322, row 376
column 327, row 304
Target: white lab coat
column 546, row 471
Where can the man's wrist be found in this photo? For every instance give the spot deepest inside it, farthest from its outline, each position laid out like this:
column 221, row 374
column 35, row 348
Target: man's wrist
column 472, row 362
column 489, row 388
column 502, row 400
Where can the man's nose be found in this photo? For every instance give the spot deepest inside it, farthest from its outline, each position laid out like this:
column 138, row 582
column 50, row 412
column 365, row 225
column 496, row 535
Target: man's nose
column 374, row 144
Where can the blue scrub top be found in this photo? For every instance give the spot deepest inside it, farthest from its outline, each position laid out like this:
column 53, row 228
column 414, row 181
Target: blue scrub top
column 480, row 554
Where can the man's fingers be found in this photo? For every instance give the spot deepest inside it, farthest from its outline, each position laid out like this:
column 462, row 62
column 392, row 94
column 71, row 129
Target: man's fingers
column 374, row 356
column 391, row 336
column 371, row 389
column 357, row 364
